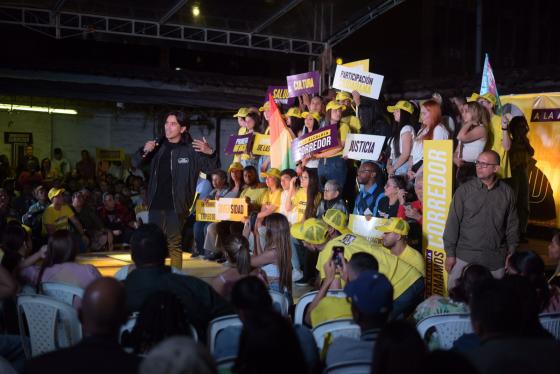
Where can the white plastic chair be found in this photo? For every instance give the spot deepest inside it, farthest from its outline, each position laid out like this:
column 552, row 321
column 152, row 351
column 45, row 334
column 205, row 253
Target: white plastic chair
column 551, row 322
column 52, row 324
column 306, row 299
column 217, row 325
column 142, row 216
column 337, row 328
column 449, row 327
column 349, row 367
column 62, row 292
column 280, row 302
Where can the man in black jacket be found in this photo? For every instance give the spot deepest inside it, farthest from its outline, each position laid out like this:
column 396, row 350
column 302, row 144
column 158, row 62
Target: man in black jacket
column 176, row 162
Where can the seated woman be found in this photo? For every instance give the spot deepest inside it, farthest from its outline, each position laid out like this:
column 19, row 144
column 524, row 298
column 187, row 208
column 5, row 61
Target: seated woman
column 236, row 249
column 395, row 193
column 332, row 199
column 275, row 259
column 59, row 266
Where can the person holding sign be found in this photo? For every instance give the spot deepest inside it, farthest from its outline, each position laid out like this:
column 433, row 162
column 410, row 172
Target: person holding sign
column 240, row 115
column 348, row 115
column 402, row 137
column 252, row 124
column 176, row 162
column 311, row 123
column 331, row 163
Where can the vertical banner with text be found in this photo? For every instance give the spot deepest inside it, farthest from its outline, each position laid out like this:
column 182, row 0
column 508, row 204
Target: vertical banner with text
column 438, row 189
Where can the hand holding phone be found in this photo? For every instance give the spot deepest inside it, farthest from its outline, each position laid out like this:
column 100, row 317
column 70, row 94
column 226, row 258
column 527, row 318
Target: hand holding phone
column 338, row 255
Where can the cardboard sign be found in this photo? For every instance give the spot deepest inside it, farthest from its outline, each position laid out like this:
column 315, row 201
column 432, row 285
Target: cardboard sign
column 261, row 144
column 303, row 83
column 238, row 144
column 206, row 211
column 363, row 65
column 231, row 209
column 438, row 176
column 350, row 79
column 360, row 225
column 314, row 142
column 280, row 95
column 363, row 147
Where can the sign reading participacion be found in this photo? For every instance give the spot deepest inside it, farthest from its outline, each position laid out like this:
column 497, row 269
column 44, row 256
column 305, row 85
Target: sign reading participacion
column 314, row 142
column 350, row 79
column 238, row 144
column 305, row 83
column 363, row 147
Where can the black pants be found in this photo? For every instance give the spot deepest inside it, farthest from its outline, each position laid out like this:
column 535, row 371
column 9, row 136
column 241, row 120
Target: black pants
column 171, row 224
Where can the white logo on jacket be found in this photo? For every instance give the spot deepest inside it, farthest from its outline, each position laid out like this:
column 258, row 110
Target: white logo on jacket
column 183, row 160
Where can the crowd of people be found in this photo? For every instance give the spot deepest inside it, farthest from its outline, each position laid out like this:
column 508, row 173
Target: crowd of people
column 296, row 234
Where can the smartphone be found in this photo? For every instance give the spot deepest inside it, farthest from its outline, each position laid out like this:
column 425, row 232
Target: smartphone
column 338, row 250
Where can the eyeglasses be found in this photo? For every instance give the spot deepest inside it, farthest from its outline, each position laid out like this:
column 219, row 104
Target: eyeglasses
column 365, row 171
column 483, row 165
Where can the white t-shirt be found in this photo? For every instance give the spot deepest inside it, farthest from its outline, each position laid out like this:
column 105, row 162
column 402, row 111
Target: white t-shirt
column 440, row 133
column 404, row 130
column 472, row 150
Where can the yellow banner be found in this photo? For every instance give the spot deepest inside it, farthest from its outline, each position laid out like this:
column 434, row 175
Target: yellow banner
column 206, row 211
column 360, row 64
column 438, row 188
column 232, row 210
column 261, row 144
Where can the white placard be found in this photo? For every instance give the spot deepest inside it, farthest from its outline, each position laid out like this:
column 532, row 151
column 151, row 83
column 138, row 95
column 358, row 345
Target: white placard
column 365, row 227
column 363, row 147
column 349, row 79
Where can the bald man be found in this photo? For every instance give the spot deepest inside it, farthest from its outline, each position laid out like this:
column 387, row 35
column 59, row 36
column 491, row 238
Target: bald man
column 103, row 312
column 482, row 226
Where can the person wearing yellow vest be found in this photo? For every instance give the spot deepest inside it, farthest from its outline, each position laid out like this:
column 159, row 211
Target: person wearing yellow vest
column 499, row 139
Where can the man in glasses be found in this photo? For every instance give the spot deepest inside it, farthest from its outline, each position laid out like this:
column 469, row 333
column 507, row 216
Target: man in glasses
column 482, row 225
column 371, row 189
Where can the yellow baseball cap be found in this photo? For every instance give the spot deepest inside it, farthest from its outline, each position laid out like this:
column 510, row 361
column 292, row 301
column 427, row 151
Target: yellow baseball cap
column 335, row 105
column 337, row 219
column 474, row 97
column 272, row 172
column 343, row 95
column 490, row 97
column 293, row 112
column 242, row 112
column 315, row 115
column 265, row 107
column 235, row 166
column 402, row 104
column 54, row 192
column 396, row 225
column 312, row 230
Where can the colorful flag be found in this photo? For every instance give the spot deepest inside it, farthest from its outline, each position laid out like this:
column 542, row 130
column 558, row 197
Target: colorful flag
column 488, row 84
column 280, row 139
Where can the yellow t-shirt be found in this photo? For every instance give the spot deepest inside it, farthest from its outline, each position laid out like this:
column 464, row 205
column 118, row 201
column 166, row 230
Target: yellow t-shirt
column 412, row 257
column 329, row 308
column 400, row 274
column 58, row 218
column 299, row 203
column 272, row 198
column 494, row 143
column 255, row 194
column 343, row 130
column 353, row 122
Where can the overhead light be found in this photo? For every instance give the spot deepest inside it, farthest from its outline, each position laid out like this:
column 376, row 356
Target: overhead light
column 178, row 68
column 42, row 109
column 195, row 10
column 339, row 61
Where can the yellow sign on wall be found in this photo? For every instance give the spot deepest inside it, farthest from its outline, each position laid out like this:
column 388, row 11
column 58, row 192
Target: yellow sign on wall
column 438, row 188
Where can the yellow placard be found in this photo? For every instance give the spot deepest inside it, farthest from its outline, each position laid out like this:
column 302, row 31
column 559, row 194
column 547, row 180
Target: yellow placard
column 438, row 188
column 360, row 64
column 231, row 210
column 261, row 144
column 206, row 211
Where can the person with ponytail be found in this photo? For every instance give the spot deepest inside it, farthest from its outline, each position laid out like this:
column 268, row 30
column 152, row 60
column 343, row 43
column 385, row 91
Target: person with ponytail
column 402, row 138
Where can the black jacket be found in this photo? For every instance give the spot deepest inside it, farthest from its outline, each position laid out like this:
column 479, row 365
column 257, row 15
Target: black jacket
column 186, row 164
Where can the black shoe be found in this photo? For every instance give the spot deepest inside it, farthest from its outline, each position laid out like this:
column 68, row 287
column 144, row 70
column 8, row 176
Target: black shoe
column 195, row 254
column 302, row 282
column 214, row 256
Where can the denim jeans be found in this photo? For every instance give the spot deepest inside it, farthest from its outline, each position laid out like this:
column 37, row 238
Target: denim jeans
column 332, row 168
column 408, row 300
column 199, row 229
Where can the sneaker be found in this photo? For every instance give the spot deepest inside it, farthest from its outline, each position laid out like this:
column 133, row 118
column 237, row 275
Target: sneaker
column 296, row 275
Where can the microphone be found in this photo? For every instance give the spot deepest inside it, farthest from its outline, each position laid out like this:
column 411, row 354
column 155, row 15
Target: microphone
column 158, row 143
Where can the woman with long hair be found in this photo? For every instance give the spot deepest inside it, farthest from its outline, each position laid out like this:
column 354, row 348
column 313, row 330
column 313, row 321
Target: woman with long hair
column 395, row 194
column 432, row 129
column 236, row 248
column 472, row 139
column 528, row 264
column 310, row 123
column 294, row 121
column 253, row 125
column 275, row 260
column 59, row 266
column 402, row 137
column 520, row 157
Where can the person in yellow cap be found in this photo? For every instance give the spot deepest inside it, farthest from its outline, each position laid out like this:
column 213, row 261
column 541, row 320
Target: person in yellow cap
column 58, row 215
column 349, row 115
column 240, row 115
column 270, row 201
column 331, row 163
column 253, row 125
column 499, row 139
column 402, row 139
column 311, row 121
column 294, row 121
column 473, row 98
column 395, row 233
